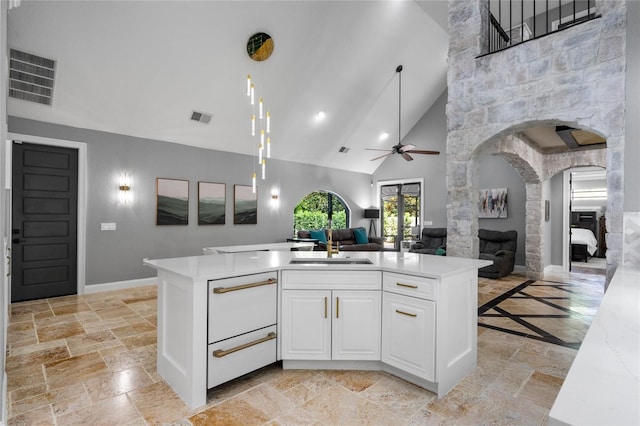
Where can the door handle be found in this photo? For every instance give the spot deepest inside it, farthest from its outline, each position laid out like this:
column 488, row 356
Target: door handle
column 8, row 266
column 16, row 241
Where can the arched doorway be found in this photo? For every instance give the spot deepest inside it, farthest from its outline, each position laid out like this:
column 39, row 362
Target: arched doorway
column 316, row 208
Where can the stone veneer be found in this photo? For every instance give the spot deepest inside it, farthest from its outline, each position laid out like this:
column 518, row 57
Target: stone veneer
column 575, row 77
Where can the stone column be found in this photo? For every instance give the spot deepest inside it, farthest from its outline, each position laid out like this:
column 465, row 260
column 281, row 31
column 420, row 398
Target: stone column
column 534, row 241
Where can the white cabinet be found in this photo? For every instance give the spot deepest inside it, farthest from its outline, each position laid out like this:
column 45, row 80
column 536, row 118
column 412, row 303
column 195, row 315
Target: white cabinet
column 306, row 324
column 319, row 323
column 356, row 325
column 408, row 334
column 242, row 321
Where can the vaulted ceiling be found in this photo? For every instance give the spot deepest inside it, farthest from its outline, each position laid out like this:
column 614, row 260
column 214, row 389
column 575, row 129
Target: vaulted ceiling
column 142, row 67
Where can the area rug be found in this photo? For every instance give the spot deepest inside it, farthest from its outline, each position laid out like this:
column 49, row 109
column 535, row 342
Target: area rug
column 558, row 313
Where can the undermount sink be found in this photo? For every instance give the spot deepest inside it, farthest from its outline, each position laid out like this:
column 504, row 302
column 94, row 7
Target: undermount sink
column 330, row 261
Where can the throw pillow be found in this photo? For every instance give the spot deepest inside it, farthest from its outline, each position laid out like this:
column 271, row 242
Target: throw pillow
column 441, row 252
column 319, row 235
column 361, row 236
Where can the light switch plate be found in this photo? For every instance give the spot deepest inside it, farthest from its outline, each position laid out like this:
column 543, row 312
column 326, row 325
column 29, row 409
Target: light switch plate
column 108, row 226
column 428, row 223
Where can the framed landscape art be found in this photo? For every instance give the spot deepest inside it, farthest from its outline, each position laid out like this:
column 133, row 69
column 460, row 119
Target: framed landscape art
column 172, row 202
column 245, row 205
column 211, row 203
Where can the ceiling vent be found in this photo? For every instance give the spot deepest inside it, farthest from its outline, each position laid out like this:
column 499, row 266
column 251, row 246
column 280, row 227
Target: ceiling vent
column 343, row 149
column 201, row 117
column 31, row 77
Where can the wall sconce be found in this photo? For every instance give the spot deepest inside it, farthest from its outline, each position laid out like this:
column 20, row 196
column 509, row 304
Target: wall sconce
column 125, row 188
column 274, row 197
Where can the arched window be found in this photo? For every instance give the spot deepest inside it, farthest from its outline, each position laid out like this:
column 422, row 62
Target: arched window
column 315, row 209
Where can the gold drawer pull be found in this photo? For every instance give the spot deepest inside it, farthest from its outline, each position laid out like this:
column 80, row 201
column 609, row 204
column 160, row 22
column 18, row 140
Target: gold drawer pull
column 406, row 285
column 325, row 307
column 222, row 290
column 406, row 313
column 337, row 307
column 220, row 353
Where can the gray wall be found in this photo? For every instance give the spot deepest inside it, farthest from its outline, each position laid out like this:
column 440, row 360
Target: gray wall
column 3, row 265
column 632, row 121
column 429, row 133
column 554, row 240
column 117, row 255
column 494, row 172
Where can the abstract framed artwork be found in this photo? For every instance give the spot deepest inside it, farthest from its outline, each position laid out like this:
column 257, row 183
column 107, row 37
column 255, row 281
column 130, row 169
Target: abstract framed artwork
column 211, row 203
column 245, row 205
column 492, row 203
column 172, row 202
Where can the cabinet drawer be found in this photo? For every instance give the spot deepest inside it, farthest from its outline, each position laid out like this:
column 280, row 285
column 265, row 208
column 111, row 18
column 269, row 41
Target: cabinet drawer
column 331, row 280
column 240, row 355
column 408, row 334
column 241, row 304
column 424, row 288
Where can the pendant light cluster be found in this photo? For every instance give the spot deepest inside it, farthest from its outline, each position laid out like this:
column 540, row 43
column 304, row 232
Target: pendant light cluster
column 259, row 48
column 260, row 130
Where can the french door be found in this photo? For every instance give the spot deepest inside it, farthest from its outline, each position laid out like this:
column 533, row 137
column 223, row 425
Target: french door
column 400, row 213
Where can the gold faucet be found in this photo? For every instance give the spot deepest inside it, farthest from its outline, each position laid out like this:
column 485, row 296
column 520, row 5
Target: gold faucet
column 330, row 249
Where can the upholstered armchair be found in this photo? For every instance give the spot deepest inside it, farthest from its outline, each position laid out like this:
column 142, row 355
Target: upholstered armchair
column 432, row 240
column 499, row 247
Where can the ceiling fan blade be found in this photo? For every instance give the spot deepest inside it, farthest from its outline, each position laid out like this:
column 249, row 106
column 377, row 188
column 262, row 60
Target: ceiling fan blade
column 376, row 149
column 422, row 151
column 382, row 156
column 406, row 156
column 405, row 148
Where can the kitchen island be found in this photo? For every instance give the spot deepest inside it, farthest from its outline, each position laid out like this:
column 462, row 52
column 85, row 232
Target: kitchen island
column 221, row 316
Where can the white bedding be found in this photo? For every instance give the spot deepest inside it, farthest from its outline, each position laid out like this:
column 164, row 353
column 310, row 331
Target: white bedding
column 584, row 236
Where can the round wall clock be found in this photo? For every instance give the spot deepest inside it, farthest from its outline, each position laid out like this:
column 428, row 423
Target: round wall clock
column 260, row 46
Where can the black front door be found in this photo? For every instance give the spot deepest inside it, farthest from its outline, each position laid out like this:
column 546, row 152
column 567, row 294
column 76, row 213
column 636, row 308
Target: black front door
column 44, row 221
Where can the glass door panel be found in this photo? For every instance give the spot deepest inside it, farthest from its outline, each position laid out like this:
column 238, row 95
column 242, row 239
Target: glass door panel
column 400, row 212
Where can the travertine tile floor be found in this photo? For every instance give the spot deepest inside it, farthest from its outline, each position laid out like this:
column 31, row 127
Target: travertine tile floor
column 92, row 360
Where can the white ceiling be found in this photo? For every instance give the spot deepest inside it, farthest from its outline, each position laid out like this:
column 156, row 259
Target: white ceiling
column 140, row 68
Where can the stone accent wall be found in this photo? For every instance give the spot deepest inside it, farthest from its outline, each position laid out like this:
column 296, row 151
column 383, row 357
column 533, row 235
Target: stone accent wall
column 574, row 77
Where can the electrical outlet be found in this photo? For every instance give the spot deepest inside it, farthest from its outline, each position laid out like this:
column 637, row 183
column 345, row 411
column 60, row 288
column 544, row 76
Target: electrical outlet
column 428, row 223
column 108, row 226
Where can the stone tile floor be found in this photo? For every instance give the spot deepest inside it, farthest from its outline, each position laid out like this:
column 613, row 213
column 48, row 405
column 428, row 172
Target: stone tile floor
column 92, row 360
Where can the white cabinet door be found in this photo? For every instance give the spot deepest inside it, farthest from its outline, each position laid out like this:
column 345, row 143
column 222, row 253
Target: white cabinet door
column 356, row 325
column 408, row 334
column 306, row 324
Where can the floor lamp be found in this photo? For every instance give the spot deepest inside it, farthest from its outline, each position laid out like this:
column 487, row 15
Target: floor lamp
column 372, row 214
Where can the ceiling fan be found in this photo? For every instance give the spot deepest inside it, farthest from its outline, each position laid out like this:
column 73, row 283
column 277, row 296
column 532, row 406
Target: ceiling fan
column 401, row 149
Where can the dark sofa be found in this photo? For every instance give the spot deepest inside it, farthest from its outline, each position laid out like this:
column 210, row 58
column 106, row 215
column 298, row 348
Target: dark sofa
column 431, row 240
column 346, row 240
column 499, row 247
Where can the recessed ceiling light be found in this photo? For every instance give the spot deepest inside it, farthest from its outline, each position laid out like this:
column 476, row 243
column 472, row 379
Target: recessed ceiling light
column 384, row 136
column 320, row 115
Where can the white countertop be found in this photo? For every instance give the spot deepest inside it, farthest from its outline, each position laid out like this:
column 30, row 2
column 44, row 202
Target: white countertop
column 225, row 265
column 259, row 247
column 603, row 384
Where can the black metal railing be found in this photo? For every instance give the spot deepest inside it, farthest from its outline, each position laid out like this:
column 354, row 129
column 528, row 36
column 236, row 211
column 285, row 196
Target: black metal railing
column 512, row 22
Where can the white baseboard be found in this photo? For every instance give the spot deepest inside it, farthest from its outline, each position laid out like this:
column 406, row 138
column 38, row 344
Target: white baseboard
column 553, row 269
column 5, row 400
column 119, row 285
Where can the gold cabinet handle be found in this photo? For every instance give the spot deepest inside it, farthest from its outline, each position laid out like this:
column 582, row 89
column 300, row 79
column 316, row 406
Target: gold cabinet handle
column 325, row 307
column 337, row 307
column 406, row 313
column 222, row 290
column 220, row 353
column 406, row 285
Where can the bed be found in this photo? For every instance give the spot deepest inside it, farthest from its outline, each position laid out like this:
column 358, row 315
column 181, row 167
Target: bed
column 584, row 243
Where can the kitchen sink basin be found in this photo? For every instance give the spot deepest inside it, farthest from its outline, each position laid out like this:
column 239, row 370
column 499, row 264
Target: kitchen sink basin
column 330, row 261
